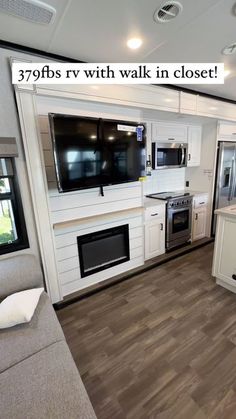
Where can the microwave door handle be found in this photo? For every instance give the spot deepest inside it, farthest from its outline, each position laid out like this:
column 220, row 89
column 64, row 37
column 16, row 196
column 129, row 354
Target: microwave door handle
column 182, row 156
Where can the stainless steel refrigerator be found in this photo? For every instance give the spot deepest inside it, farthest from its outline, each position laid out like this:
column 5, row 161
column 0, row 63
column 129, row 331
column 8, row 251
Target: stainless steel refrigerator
column 226, row 177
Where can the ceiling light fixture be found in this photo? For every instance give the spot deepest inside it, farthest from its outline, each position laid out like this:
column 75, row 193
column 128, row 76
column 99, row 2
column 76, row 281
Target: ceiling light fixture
column 134, row 43
column 229, row 49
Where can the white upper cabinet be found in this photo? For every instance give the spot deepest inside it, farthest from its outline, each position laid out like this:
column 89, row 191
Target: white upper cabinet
column 188, row 103
column 215, row 108
column 169, row 132
column 227, row 131
column 194, row 145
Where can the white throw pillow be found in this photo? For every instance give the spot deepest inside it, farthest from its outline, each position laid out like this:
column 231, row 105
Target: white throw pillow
column 19, row 307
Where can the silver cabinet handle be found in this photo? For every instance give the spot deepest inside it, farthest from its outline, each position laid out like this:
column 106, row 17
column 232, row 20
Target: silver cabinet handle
column 153, row 215
column 196, row 217
column 189, row 157
column 162, row 226
column 171, row 139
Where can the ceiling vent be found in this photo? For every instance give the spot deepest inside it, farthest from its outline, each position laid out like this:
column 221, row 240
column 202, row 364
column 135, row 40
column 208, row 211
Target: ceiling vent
column 168, row 11
column 32, row 10
column 229, row 49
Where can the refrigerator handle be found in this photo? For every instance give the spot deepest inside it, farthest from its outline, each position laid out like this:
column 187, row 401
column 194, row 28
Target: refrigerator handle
column 232, row 180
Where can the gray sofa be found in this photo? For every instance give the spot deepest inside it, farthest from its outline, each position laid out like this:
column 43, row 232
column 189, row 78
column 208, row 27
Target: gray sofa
column 38, row 377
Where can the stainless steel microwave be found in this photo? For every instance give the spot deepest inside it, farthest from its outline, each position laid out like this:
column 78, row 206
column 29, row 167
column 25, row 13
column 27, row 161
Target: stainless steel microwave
column 169, row 155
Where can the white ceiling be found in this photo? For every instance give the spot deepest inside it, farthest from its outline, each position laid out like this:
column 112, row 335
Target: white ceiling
column 97, row 31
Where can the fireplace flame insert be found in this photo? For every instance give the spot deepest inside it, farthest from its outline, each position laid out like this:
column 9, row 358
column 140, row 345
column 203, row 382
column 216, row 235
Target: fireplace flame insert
column 103, row 249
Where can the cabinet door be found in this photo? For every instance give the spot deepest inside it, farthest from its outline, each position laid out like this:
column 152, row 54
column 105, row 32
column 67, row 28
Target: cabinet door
column 194, row 146
column 154, row 239
column 166, row 132
column 199, row 224
column 227, row 130
column 225, row 245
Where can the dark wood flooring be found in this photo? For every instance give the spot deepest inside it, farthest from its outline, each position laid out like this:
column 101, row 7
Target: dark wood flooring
column 161, row 345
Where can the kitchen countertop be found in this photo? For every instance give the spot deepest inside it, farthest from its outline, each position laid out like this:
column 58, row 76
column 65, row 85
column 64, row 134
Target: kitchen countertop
column 196, row 192
column 151, row 202
column 229, row 211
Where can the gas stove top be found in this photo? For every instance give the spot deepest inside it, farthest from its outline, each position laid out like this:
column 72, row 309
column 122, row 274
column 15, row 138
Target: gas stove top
column 168, row 195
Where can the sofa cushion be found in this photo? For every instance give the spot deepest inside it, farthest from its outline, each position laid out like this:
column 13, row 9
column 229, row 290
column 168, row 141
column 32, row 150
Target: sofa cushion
column 19, row 273
column 23, row 340
column 46, row 385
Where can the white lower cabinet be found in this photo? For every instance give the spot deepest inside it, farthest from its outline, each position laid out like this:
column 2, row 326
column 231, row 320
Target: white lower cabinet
column 224, row 262
column 199, row 223
column 154, row 231
column 199, row 216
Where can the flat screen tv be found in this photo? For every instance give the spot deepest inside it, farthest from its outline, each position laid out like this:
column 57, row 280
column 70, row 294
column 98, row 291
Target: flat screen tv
column 93, row 152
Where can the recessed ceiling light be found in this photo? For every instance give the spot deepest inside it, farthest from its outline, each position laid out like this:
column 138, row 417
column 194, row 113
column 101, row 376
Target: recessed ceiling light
column 226, row 73
column 93, row 137
column 111, row 138
column 134, row 43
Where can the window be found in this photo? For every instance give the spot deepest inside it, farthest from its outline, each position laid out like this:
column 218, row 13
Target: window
column 13, row 235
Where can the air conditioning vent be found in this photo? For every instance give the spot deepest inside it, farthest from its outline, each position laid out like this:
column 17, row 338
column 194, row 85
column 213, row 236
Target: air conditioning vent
column 229, row 49
column 33, row 10
column 169, row 11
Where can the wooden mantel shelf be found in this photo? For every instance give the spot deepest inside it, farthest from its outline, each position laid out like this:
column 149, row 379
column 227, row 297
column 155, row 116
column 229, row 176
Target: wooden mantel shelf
column 107, row 216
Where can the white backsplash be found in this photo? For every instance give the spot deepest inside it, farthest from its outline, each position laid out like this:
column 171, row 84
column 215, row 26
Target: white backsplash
column 165, row 180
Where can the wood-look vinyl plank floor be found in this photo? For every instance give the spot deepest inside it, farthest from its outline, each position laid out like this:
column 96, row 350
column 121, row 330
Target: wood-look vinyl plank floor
column 161, row 345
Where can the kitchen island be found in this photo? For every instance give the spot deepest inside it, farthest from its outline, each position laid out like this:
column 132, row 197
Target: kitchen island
column 224, row 261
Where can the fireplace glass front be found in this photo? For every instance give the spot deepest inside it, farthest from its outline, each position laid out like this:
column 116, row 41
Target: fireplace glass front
column 103, row 249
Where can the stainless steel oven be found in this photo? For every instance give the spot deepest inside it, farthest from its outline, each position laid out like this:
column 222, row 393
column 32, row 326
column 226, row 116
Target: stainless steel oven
column 178, row 217
column 169, row 155
column 178, row 222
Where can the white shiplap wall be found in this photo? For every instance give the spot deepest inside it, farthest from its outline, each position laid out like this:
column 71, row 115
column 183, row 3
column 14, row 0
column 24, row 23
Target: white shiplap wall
column 67, row 251
column 117, row 207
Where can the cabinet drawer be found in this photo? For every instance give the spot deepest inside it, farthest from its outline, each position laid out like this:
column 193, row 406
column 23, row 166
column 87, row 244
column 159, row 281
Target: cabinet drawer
column 200, row 200
column 153, row 213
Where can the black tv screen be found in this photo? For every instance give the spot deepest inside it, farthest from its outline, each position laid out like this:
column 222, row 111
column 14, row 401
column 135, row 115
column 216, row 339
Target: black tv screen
column 92, row 152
